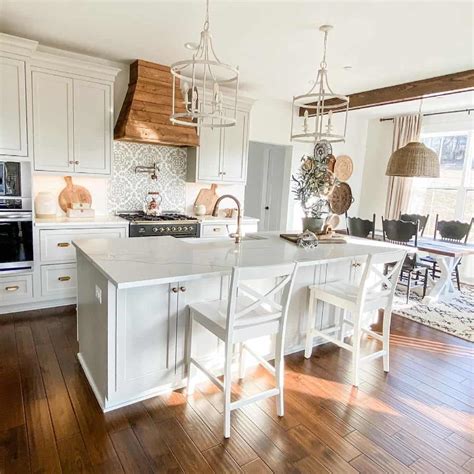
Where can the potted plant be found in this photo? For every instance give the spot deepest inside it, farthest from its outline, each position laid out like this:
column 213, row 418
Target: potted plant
column 312, row 185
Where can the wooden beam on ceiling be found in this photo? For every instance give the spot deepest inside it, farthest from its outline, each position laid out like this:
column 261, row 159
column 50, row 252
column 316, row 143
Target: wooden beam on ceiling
column 432, row 87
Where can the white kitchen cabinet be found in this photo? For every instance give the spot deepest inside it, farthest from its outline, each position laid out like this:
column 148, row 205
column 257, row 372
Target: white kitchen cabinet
column 53, row 122
column 59, row 280
column 222, row 154
column 92, row 127
column 13, row 132
column 15, row 288
column 72, row 124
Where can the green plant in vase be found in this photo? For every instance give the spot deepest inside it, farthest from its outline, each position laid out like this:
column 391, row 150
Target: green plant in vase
column 312, row 185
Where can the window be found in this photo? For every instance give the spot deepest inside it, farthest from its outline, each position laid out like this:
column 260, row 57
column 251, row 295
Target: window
column 452, row 194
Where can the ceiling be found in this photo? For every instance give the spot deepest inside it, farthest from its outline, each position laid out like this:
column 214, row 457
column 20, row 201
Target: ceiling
column 275, row 43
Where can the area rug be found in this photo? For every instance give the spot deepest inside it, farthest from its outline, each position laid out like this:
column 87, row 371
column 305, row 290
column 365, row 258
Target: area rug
column 455, row 317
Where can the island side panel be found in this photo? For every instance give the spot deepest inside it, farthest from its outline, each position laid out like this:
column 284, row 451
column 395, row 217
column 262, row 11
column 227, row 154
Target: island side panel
column 96, row 299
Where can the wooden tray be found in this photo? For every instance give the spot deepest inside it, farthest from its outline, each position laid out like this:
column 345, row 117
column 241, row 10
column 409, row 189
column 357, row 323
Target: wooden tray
column 335, row 239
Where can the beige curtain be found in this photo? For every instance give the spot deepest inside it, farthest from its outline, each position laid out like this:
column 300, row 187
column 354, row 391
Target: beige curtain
column 406, row 129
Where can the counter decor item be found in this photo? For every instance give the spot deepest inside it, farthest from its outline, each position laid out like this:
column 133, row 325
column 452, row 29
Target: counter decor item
column 152, row 203
column 207, row 198
column 73, row 193
column 307, row 240
column 343, row 167
column 45, row 205
column 312, row 185
column 81, row 213
column 200, row 210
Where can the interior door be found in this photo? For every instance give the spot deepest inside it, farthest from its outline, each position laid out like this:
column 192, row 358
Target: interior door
column 273, row 180
column 52, row 122
column 92, row 127
column 234, row 149
column 13, row 137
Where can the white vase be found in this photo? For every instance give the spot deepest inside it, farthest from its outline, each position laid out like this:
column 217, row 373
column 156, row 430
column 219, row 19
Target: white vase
column 45, row 205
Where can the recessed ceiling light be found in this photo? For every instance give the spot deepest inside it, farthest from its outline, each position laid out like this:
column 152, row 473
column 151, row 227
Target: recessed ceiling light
column 190, row 45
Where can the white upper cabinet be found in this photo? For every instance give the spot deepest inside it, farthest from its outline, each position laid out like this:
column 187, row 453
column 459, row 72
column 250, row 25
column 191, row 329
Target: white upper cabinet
column 223, row 152
column 13, row 132
column 92, row 127
column 208, row 154
column 52, row 122
column 234, row 149
column 72, row 124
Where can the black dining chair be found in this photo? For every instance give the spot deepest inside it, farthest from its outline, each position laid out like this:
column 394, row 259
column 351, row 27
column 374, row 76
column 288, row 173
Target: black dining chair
column 360, row 227
column 406, row 233
column 455, row 232
column 420, row 218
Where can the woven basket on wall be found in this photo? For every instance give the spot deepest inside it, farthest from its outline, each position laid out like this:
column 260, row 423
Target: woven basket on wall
column 414, row 159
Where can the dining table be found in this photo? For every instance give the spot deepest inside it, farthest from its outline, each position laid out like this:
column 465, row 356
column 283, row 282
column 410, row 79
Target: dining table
column 447, row 255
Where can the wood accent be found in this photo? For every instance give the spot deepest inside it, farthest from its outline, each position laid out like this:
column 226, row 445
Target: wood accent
column 431, row 87
column 146, row 110
column 418, row 418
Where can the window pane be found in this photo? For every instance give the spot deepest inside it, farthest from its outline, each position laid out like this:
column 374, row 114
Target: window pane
column 469, row 205
column 433, row 201
column 453, row 152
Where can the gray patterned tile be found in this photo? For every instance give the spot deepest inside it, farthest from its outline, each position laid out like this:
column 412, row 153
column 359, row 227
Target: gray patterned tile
column 127, row 190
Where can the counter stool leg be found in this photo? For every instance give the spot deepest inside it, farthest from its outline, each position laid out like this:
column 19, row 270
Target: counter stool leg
column 342, row 315
column 227, row 388
column 189, row 366
column 356, row 349
column 310, row 326
column 387, row 319
column 280, row 375
column 241, row 361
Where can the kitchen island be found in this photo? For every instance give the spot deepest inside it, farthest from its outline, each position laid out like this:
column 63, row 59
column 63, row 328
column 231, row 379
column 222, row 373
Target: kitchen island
column 133, row 296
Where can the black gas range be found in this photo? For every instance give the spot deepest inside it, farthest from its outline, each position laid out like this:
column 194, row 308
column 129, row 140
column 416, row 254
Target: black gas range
column 167, row 223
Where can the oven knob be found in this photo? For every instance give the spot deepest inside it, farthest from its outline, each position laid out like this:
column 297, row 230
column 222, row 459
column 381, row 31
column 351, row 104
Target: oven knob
column 142, row 230
column 155, row 229
column 162, row 229
column 180, row 229
column 167, row 229
column 173, row 229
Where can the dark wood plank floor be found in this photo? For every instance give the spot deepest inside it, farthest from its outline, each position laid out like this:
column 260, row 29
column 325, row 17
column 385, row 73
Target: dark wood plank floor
column 419, row 418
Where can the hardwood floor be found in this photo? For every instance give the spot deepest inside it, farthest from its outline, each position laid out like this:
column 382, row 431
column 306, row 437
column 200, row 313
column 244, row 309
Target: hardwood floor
column 419, row 418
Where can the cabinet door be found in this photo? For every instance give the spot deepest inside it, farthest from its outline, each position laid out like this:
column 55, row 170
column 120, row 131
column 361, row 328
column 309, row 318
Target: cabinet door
column 92, row 127
column 13, row 139
column 209, row 154
column 234, row 149
column 52, row 122
column 146, row 338
column 205, row 345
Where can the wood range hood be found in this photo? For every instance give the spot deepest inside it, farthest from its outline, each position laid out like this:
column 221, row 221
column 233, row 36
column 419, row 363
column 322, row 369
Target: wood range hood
column 146, row 110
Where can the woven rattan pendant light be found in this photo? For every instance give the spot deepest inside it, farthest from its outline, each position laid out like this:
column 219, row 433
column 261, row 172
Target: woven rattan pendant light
column 414, row 159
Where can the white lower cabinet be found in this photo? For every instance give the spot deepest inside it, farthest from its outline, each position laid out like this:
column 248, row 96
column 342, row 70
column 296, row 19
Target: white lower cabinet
column 151, row 324
column 16, row 288
column 56, row 244
column 59, row 280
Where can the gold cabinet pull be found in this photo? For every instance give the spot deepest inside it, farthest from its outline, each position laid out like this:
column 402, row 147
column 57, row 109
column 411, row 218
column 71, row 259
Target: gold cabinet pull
column 64, row 278
column 63, row 244
column 12, row 288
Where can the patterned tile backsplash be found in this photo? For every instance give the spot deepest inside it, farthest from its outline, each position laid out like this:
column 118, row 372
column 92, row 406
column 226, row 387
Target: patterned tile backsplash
column 127, row 190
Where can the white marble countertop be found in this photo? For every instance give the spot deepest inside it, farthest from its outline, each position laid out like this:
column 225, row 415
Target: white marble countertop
column 106, row 221
column 150, row 261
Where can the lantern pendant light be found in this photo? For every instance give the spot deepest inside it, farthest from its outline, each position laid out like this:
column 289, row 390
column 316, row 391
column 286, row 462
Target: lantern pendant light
column 318, row 106
column 208, row 86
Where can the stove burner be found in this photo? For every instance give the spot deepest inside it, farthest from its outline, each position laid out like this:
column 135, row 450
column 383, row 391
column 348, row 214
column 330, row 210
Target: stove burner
column 141, row 216
column 170, row 223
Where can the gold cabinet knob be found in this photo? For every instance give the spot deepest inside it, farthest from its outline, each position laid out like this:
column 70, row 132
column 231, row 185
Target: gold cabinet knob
column 174, row 290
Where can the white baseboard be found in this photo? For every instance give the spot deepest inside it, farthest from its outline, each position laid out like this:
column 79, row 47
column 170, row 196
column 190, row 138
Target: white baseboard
column 36, row 304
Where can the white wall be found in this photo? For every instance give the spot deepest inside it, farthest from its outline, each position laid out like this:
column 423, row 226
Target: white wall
column 374, row 184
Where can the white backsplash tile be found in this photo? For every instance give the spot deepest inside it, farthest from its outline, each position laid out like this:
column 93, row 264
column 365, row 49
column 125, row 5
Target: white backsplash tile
column 127, row 190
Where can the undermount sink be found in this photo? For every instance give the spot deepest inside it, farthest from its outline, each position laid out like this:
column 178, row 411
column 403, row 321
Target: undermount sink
column 253, row 237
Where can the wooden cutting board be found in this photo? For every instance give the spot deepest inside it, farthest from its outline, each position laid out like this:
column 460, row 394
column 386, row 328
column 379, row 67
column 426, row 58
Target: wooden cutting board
column 73, row 193
column 208, row 198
